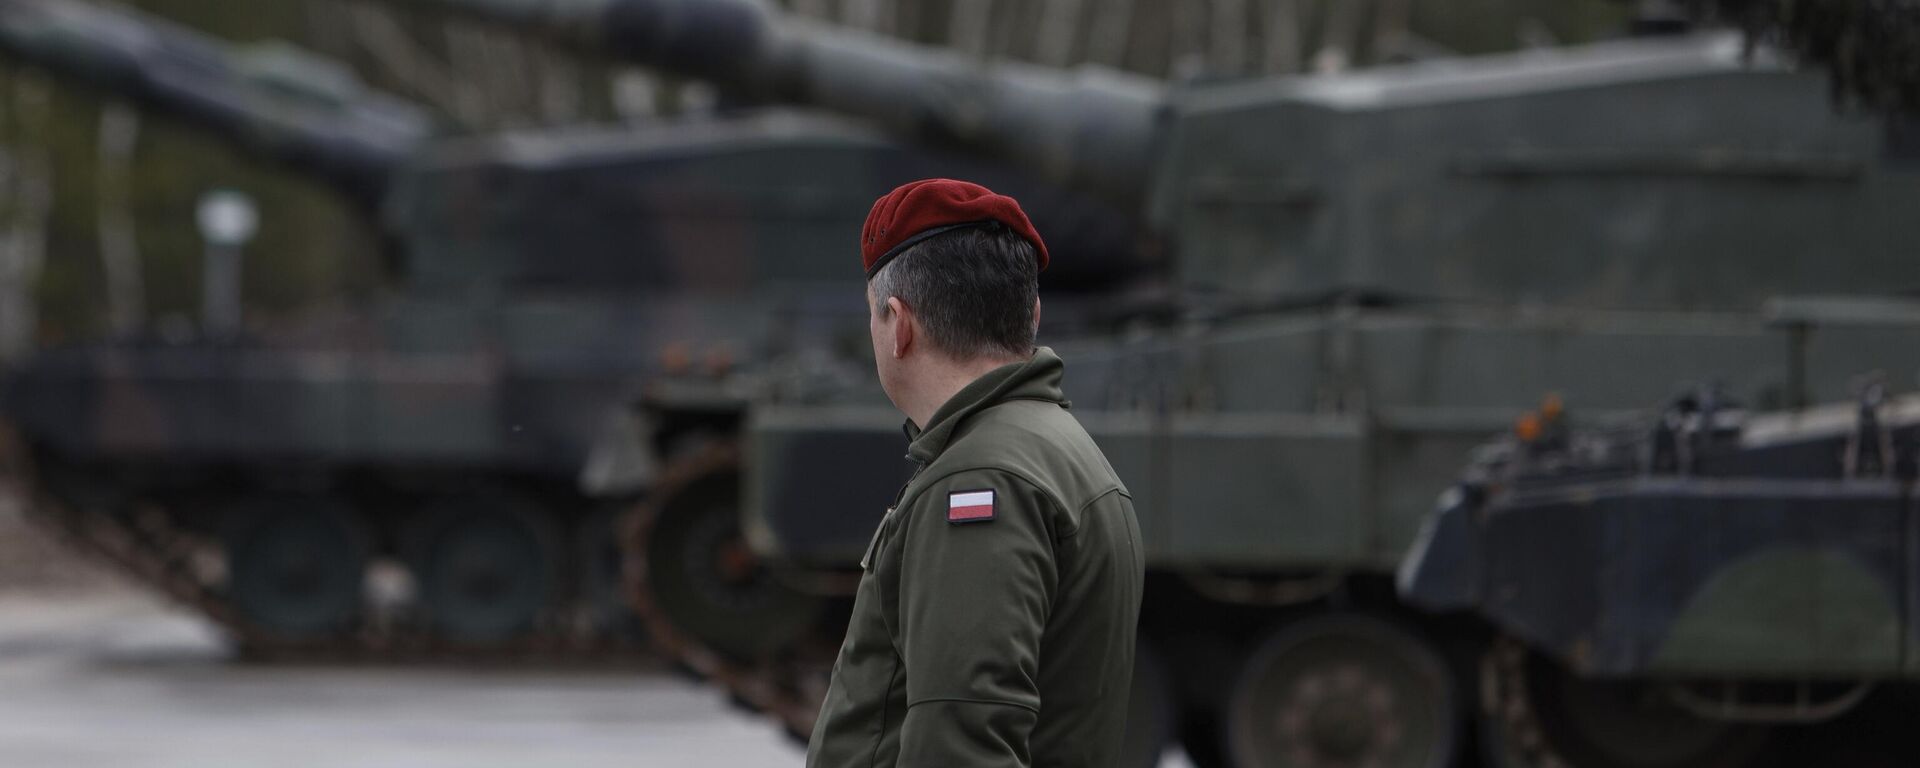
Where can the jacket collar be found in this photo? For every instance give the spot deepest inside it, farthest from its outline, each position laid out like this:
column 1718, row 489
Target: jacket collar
column 1036, row 379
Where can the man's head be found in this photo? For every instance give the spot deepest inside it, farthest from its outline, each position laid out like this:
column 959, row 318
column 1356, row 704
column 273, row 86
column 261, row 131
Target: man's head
column 952, row 287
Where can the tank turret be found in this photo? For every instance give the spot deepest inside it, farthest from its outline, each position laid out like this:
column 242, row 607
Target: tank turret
column 1092, row 128
column 1444, row 180
column 273, row 100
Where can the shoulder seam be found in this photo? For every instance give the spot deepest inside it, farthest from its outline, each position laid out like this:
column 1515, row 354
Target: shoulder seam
column 1101, row 495
column 1080, row 514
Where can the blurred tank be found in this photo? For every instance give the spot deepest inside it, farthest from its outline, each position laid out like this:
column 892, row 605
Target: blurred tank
column 1092, row 128
column 416, row 476
column 1702, row 587
column 1368, row 274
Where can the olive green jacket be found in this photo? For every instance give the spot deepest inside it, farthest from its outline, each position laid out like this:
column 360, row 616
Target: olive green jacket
column 994, row 625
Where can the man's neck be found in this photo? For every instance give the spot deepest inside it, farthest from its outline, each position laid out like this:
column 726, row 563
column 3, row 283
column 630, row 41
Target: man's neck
column 944, row 380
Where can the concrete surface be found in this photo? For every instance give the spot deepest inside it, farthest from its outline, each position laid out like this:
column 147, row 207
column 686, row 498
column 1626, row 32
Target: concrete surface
column 122, row 681
column 96, row 673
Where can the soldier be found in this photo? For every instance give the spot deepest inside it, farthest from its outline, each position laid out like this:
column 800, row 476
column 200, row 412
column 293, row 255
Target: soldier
column 994, row 623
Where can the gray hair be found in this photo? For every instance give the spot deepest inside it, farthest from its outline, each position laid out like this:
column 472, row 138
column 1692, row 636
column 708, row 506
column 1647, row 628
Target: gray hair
column 972, row 288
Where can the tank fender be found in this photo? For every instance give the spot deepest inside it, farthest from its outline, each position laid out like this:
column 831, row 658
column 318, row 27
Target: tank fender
column 1442, row 569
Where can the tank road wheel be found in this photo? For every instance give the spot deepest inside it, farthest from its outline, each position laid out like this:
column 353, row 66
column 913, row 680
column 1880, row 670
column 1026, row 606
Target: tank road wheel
column 697, row 575
column 1150, row 708
column 1343, row 691
column 295, row 567
column 484, row 570
column 1539, row 715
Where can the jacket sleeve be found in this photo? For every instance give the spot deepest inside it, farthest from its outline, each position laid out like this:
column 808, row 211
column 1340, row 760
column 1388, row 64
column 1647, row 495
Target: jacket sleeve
column 974, row 601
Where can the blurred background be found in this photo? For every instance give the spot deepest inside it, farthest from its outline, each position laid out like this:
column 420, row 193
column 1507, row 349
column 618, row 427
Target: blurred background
column 87, row 174
column 475, row 382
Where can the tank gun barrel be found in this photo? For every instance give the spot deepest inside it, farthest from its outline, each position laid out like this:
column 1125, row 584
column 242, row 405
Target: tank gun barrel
column 272, row 100
column 1091, row 128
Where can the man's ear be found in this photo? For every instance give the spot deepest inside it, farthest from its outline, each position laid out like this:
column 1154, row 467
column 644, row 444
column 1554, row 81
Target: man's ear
column 1036, row 317
column 901, row 318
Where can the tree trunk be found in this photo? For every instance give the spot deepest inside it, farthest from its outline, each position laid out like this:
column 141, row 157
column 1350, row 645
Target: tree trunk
column 1186, row 41
column 560, row 79
column 863, row 14
column 1059, row 31
column 119, row 253
column 508, row 77
column 1338, row 37
column 382, row 37
column 968, row 29
column 31, row 190
column 17, row 308
column 1283, row 37
column 1390, row 21
column 1112, row 33
column 1228, row 39
column 812, row 9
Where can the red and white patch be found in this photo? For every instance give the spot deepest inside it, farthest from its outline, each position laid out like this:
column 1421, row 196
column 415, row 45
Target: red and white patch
column 970, row 507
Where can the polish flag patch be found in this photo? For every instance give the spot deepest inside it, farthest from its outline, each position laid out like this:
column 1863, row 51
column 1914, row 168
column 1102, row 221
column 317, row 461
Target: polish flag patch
column 970, row 507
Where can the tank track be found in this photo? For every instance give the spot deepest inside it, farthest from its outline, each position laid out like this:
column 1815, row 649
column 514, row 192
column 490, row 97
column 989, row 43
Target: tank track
column 147, row 548
column 788, row 686
column 1506, row 706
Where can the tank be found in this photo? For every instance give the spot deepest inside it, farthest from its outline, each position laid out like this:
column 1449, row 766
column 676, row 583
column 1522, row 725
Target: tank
column 418, row 477
column 1368, row 274
column 1702, row 585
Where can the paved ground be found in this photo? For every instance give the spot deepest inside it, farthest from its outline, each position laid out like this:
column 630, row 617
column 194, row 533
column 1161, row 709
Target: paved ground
column 121, row 681
column 95, row 673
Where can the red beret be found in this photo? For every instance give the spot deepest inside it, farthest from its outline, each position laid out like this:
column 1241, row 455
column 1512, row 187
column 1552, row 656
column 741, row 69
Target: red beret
column 918, row 210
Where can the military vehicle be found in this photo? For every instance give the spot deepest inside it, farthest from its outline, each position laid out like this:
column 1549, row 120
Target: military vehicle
column 1704, row 587
column 1369, row 273
column 416, row 478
